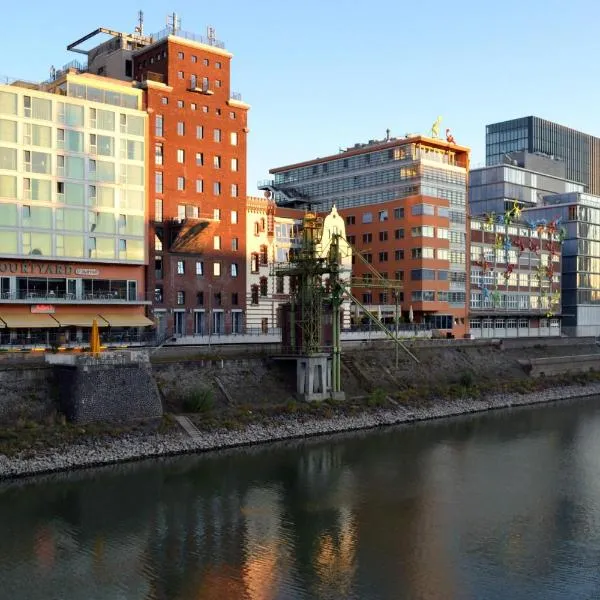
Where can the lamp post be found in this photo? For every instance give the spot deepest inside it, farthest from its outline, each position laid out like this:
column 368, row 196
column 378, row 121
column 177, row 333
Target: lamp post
column 209, row 313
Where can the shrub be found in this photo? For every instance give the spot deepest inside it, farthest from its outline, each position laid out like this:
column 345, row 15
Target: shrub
column 200, row 400
column 466, row 379
column 377, row 397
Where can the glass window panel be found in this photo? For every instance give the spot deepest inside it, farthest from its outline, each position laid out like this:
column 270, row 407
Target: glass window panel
column 75, row 167
column 8, row 130
column 41, row 217
column 105, row 197
column 8, row 159
column 105, row 223
column 135, row 225
column 41, row 109
column 74, row 115
column 105, row 120
column 135, row 175
column 8, row 103
column 8, row 216
column 8, row 187
column 74, row 194
column 40, row 162
column 105, row 171
column 135, row 250
column 105, row 145
column 134, row 200
column 74, row 141
column 73, row 219
column 129, row 101
column 73, row 246
column 41, row 244
column 135, row 125
column 135, row 150
column 112, row 98
column 95, row 94
column 105, row 248
column 41, row 135
column 8, row 239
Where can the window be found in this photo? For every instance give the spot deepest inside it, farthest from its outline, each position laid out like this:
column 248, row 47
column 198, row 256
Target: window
column 181, row 183
column 234, row 269
column 264, row 286
column 383, row 256
column 424, row 231
column 199, row 267
column 180, row 267
column 350, row 220
column 164, row 100
column 205, row 62
column 368, row 257
column 199, row 159
column 199, row 132
column 180, row 74
column 383, row 215
column 233, row 138
column 235, row 243
column 254, row 262
column 180, row 298
column 422, row 253
column 217, row 214
column 399, row 234
column 180, row 104
column 217, row 188
column 217, row 135
column 217, row 269
column 399, row 275
column 181, row 212
column 423, row 209
column 158, row 154
column 234, row 217
column 231, row 115
column 158, row 182
column 398, row 213
column 367, row 238
column 442, row 233
column 254, row 294
column 216, row 162
column 234, row 190
column 367, row 217
column 193, row 106
column 180, row 128
column 399, row 255
column 158, row 126
column 383, row 236
column 199, row 186
column 217, row 242
column 158, row 294
column 180, row 156
column 422, row 274
column 180, row 55
column 234, row 164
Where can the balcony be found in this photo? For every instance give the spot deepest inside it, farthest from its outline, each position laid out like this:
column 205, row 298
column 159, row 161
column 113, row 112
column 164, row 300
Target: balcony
column 108, row 297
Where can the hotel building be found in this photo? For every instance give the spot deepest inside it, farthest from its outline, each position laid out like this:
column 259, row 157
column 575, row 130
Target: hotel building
column 72, row 209
column 404, row 204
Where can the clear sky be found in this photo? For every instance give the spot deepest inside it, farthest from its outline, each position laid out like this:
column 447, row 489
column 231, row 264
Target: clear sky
column 321, row 75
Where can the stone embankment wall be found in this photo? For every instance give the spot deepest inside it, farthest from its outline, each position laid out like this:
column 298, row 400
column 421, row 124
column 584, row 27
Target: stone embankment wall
column 26, row 393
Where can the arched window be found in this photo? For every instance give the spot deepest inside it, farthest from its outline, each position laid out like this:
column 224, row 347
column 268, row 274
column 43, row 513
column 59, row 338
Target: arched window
column 264, row 286
column 254, row 294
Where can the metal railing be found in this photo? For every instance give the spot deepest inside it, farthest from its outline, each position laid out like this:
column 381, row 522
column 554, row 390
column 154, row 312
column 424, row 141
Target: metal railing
column 103, row 297
column 236, row 96
column 167, row 31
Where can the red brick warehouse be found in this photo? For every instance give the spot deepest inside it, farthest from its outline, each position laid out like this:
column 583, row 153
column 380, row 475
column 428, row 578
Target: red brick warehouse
column 196, row 185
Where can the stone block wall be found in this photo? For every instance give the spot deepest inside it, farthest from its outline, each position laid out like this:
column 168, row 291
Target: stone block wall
column 26, row 393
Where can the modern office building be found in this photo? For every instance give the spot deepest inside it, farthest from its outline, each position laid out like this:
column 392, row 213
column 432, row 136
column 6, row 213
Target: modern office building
column 496, row 189
column 404, row 203
column 515, row 279
column 580, row 152
column 196, row 158
column 578, row 214
column 73, row 231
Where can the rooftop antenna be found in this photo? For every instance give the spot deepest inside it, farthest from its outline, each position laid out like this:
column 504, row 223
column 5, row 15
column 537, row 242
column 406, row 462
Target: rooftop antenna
column 173, row 23
column 387, row 135
column 211, row 35
column 140, row 26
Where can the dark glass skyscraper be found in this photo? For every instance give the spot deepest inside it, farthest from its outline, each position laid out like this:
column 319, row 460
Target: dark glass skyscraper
column 579, row 151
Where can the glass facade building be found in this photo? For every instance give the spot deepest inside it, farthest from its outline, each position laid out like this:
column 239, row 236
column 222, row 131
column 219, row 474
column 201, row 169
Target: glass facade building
column 579, row 214
column 579, row 151
column 72, row 174
column 495, row 189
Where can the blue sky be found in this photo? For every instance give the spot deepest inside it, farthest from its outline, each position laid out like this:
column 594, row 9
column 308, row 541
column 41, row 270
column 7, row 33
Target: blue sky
column 322, row 75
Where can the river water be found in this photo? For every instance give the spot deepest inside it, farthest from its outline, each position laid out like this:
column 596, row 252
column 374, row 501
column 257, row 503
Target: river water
column 504, row 505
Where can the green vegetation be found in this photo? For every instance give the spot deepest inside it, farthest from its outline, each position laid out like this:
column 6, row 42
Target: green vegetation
column 200, row 400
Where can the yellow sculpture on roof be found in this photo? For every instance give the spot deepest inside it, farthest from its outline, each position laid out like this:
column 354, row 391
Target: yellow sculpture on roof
column 435, row 128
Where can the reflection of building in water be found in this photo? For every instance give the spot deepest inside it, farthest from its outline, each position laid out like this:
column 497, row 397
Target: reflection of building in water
column 265, row 558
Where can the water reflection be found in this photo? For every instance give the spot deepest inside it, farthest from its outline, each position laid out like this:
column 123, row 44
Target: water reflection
column 505, row 505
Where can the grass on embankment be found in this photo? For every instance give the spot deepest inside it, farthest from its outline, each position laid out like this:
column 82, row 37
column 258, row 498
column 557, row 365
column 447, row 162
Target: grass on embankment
column 29, row 437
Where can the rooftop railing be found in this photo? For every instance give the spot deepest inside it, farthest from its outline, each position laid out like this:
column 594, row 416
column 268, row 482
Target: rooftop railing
column 194, row 37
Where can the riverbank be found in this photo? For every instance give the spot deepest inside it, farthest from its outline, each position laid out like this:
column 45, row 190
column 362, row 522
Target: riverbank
column 137, row 445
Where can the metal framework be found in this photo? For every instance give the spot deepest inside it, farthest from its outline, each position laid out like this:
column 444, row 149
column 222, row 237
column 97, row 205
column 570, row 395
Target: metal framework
column 310, row 292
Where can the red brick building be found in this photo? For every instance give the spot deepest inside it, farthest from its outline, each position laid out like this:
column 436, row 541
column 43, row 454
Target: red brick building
column 196, row 185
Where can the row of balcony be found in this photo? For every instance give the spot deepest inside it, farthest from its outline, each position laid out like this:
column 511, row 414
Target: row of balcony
column 109, row 297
